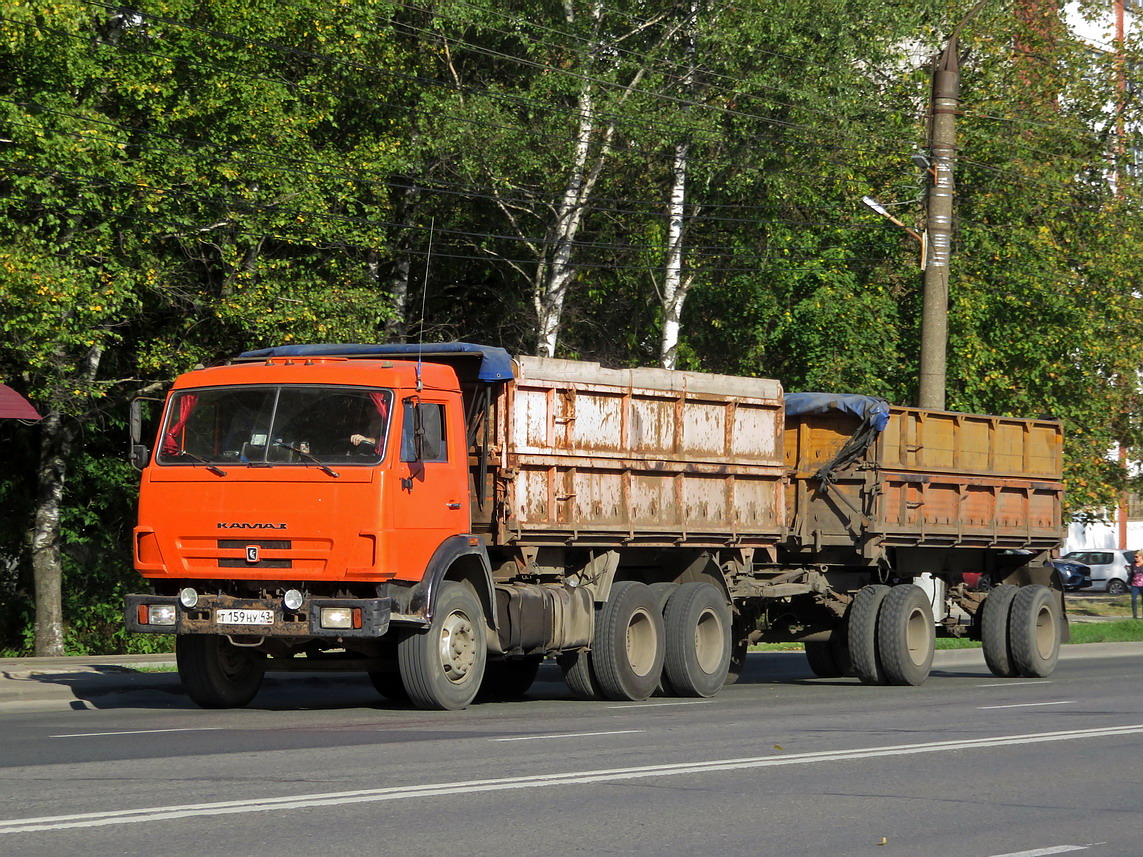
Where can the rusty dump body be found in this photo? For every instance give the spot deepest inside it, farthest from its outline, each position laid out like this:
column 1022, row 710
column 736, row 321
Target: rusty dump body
column 932, row 480
column 444, row 517
column 635, row 458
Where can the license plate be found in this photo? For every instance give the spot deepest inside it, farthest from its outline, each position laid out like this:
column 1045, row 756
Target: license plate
column 244, row 617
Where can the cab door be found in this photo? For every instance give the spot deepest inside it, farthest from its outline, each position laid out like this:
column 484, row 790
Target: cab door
column 431, row 498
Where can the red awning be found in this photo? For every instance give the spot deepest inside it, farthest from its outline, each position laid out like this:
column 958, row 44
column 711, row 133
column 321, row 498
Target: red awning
column 13, row 406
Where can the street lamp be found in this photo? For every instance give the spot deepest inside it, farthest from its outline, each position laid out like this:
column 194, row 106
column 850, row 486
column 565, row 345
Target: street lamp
column 884, row 212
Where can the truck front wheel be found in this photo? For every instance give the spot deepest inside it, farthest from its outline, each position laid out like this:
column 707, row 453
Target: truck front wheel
column 216, row 674
column 628, row 649
column 442, row 667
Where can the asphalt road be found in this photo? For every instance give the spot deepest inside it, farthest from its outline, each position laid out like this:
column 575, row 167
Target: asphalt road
column 780, row 764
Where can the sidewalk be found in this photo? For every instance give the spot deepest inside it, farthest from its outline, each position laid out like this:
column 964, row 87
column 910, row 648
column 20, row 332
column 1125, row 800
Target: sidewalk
column 119, row 681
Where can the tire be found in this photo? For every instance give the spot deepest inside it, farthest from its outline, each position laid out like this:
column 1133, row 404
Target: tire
column 737, row 663
column 442, row 667
column 663, row 592
column 216, row 674
column 994, row 635
column 628, row 650
column 389, row 685
column 580, row 674
column 697, row 622
column 830, row 658
column 861, row 633
column 1115, row 586
column 1034, row 631
column 510, row 678
column 906, row 635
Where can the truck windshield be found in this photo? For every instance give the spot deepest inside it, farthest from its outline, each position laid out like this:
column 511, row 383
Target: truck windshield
column 299, row 425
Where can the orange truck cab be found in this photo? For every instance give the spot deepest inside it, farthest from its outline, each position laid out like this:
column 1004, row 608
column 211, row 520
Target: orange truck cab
column 304, row 498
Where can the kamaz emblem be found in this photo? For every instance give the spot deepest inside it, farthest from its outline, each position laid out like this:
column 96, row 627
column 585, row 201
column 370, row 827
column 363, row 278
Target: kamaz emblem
column 244, row 526
column 252, row 553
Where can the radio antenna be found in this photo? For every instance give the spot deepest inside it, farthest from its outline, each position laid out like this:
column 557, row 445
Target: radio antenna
column 424, row 297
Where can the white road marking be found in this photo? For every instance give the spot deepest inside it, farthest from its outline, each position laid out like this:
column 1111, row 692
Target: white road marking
column 570, row 735
column 1013, row 684
column 633, row 705
column 1044, row 852
column 569, row 778
column 137, row 732
column 1026, row 704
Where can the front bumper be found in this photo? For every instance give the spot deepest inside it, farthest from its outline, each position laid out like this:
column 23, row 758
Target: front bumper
column 369, row 616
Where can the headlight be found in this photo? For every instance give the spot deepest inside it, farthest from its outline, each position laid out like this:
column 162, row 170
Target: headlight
column 337, row 617
column 188, row 598
column 159, row 614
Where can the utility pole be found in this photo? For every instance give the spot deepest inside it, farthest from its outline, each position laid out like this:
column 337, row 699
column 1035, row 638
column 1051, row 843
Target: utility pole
column 942, row 157
column 942, row 154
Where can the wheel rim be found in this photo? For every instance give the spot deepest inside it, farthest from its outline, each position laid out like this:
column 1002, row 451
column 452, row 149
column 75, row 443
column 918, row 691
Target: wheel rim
column 1045, row 632
column 642, row 643
column 458, row 647
column 917, row 637
column 233, row 662
column 709, row 638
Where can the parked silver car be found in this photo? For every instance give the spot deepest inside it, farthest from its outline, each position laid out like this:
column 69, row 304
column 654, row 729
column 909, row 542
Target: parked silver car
column 1108, row 568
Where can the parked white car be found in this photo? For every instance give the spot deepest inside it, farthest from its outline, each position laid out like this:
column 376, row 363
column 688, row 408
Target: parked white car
column 1108, row 568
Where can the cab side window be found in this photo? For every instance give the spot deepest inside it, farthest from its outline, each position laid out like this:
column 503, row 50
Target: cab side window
column 432, row 426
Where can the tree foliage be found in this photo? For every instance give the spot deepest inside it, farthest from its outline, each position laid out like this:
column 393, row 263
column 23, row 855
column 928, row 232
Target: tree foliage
column 182, row 180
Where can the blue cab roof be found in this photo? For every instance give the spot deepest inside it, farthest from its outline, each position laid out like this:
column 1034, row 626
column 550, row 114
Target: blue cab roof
column 494, row 364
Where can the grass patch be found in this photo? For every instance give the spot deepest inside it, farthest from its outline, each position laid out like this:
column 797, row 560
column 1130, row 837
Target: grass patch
column 1122, row 631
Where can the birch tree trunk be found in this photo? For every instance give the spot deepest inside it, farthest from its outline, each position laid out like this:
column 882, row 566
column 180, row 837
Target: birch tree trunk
column 57, row 444
column 675, row 285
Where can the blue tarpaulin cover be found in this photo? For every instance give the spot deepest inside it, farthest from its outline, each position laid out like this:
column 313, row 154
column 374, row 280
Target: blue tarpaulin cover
column 495, row 363
column 869, row 408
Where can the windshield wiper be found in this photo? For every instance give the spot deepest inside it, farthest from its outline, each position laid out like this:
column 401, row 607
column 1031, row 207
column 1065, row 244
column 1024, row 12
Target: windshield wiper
column 312, row 459
column 210, row 465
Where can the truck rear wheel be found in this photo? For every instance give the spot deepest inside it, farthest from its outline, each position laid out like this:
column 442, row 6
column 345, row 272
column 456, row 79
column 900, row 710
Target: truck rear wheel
column 1034, row 631
column 579, row 674
column 442, row 667
column 697, row 623
column 628, row 650
column 994, row 633
column 217, row 674
column 862, row 633
column 906, row 635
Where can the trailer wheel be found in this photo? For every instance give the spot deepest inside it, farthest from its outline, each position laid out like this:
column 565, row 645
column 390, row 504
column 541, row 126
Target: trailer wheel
column 580, row 674
column 442, row 667
column 738, row 651
column 906, row 635
column 510, row 678
column 830, row 658
column 862, row 633
column 1034, row 631
column 628, row 650
column 697, row 622
column 994, row 634
column 217, row 674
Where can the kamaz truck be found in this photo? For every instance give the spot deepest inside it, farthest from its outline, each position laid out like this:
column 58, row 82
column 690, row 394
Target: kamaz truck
column 444, row 517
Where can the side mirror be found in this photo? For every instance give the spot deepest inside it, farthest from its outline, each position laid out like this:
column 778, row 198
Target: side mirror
column 138, row 453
